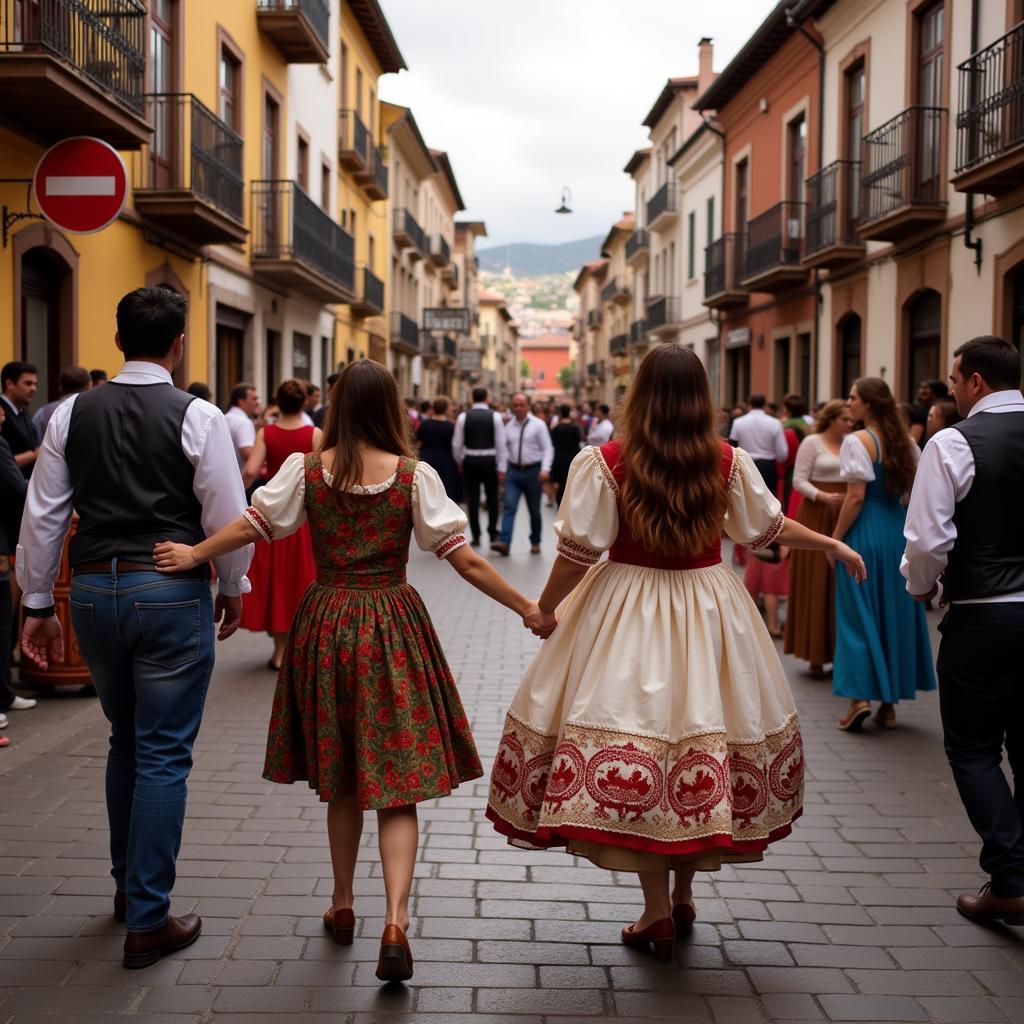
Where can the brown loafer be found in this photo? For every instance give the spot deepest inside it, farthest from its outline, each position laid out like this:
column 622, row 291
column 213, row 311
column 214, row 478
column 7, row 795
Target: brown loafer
column 499, row 546
column 660, row 937
column 395, row 961
column 141, row 949
column 341, row 923
column 987, row 908
column 120, row 906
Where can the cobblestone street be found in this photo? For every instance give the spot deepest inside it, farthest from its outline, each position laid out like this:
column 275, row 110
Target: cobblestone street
column 851, row 919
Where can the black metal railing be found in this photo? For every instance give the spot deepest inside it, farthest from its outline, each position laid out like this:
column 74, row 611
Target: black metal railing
column 453, row 276
column 596, row 369
column 637, row 332
column 723, row 264
column 610, row 290
column 663, row 201
column 103, row 41
column 833, row 206
column 404, row 224
column 636, row 242
column 618, row 344
column 405, row 330
column 901, row 163
column 193, row 149
column 594, row 318
column 373, row 289
column 450, row 346
column 990, row 115
column 317, row 13
column 774, row 239
column 355, row 138
column 440, row 250
column 661, row 310
column 287, row 224
column 380, row 171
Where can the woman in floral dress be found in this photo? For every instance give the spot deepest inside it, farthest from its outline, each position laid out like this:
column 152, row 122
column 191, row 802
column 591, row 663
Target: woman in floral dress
column 656, row 730
column 366, row 710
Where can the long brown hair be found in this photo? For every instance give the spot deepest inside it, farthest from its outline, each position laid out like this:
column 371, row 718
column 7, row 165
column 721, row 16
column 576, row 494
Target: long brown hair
column 897, row 457
column 673, row 495
column 365, row 407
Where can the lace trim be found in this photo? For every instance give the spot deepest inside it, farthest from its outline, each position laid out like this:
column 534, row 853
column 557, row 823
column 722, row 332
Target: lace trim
column 447, row 546
column 578, row 553
column 609, row 477
column 259, row 522
column 734, row 469
column 770, row 534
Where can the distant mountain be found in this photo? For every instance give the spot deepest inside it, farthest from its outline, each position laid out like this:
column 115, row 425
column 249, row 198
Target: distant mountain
column 529, row 260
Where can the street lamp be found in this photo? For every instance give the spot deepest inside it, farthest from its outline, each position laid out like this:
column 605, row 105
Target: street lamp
column 566, row 199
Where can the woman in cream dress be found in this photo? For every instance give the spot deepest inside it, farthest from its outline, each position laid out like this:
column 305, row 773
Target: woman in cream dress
column 656, row 728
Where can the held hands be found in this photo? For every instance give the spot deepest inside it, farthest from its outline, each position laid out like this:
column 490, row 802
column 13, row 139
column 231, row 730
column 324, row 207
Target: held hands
column 851, row 560
column 539, row 623
column 831, row 499
column 170, row 557
column 42, row 639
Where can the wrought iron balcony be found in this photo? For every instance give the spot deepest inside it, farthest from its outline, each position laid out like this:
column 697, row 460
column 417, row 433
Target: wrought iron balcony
column 73, row 68
column 354, row 142
column 616, row 290
column 618, row 344
column 638, row 247
column 369, row 300
column 192, row 180
column 723, row 267
column 902, row 183
column 833, row 207
column 440, row 251
column 405, row 333
column 775, row 245
column 662, row 314
column 594, row 318
column 990, row 117
column 297, row 246
column 450, row 273
column 638, row 332
column 450, row 347
column 595, row 370
column 661, row 209
column 300, row 29
column 409, row 235
column 375, row 185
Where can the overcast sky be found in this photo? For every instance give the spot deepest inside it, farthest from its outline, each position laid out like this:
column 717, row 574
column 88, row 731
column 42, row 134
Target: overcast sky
column 530, row 95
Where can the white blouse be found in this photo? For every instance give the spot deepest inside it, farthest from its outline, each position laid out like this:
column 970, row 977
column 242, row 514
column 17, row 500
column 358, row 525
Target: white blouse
column 814, row 462
column 855, row 463
column 589, row 516
column 279, row 507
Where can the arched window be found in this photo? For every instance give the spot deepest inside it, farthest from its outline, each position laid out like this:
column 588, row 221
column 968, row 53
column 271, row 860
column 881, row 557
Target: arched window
column 849, row 354
column 925, row 341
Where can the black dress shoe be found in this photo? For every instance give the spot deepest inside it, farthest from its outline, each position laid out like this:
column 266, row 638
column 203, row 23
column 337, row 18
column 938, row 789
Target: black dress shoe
column 141, row 949
column 475, row 542
column 120, row 905
column 987, row 908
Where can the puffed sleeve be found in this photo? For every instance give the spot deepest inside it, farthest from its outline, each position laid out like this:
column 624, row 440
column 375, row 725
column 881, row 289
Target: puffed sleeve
column 854, row 462
column 279, row 507
column 754, row 515
column 438, row 523
column 588, row 518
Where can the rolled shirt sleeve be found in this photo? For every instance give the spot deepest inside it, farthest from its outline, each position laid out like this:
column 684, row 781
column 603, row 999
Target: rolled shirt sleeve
column 500, row 445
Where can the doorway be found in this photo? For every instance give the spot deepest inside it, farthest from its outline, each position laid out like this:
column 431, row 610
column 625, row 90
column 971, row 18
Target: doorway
column 925, row 341
column 230, row 352
column 46, row 335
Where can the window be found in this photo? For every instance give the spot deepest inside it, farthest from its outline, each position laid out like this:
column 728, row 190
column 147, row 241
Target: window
column 359, row 91
column 741, row 173
column 344, row 77
column 854, row 132
column 691, row 245
column 797, row 157
column 161, row 82
column 271, row 118
column 371, row 114
column 371, row 252
column 302, row 164
column 930, row 63
column 925, row 339
column 302, row 345
column 229, row 74
column 710, row 236
column 325, row 185
column 849, row 353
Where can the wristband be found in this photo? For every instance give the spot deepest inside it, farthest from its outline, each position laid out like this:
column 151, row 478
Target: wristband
column 40, row 613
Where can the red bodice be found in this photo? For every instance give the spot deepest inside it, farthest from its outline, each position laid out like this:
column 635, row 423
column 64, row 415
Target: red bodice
column 281, row 443
column 630, row 550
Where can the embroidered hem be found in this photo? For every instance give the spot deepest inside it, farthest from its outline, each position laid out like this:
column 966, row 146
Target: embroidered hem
column 259, row 522
column 609, row 477
column 447, row 546
column 770, row 534
column 578, row 553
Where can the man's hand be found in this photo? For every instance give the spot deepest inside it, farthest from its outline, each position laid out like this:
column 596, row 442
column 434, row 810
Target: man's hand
column 43, row 640
column 544, row 476
column 228, row 612
column 925, row 598
column 501, row 477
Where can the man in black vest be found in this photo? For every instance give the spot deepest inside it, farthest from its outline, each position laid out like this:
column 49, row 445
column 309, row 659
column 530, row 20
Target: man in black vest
column 478, row 446
column 18, row 383
column 964, row 537
column 140, row 461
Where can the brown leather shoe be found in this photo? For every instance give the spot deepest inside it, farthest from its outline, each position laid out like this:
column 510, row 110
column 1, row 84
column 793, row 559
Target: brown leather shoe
column 141, row 949
column 395, row 961
column 660, row 936
column 120, row 906
column 987, row 908
column 500, row 547
column 341, row 923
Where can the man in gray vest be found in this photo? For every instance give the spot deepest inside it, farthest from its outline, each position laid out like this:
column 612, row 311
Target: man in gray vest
column 140, row 461
column 478, row 447
column 965, row 544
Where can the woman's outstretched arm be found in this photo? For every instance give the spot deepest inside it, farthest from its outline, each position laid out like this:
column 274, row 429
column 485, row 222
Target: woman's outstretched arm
column 482, row 574
column 796, row 535
column 170, row 557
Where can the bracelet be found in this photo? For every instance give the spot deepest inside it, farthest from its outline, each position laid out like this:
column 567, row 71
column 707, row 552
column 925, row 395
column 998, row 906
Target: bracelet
column 40, row 613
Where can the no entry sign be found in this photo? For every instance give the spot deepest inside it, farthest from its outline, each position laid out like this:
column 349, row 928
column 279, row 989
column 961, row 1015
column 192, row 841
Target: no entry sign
column 81, row 184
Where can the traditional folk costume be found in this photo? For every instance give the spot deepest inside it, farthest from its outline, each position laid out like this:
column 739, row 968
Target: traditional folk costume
column 366, row 705
column 655, row 727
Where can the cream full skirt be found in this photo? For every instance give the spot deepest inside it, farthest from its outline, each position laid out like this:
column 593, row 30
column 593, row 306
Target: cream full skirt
column 654, row 728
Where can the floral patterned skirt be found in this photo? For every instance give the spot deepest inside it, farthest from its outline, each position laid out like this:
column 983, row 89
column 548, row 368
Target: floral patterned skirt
column 366, row 705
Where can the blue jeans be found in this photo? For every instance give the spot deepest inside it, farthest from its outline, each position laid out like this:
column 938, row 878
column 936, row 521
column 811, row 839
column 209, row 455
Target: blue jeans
column 148, row 641
column 520, row 482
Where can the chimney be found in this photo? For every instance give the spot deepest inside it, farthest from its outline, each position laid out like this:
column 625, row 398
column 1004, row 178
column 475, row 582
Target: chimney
column 706, row 75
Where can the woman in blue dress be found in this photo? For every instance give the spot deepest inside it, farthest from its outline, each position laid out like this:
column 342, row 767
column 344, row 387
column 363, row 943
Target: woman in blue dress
column 883, row 652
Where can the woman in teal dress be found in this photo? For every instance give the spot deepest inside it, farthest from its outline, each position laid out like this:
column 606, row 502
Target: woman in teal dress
column 883, row 652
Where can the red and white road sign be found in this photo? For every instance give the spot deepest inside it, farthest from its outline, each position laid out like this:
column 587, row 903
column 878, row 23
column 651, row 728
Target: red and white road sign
column 81, row 184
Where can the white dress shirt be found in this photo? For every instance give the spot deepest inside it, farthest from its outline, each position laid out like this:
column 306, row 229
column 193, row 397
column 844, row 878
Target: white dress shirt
column 243, row 432
column 499, row 451
column 217, row 485
column 761, row 436
column 600, row 433
column 529, row 442
column 944, row 477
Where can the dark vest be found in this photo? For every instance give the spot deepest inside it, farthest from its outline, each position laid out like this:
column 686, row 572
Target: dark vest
column 988, row 557
column 131, row 480
column 479, row 429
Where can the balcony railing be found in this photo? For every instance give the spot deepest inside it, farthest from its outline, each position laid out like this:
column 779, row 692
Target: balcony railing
column 775, row 242
column 353, row 141
column 618, row 344
column 450, row 347
column 902, row 187
column 990, row 115
column 662, row 206
column 369, row 299
column 405, row 331
column 440, row 251
column 377, row 186
column 594, row 317
column 300, row 29
column 638, row 332
column 637, row 244
column 299, row 244
column 409, row 235
column 609, row 291
column 596, row 369
column 833, row 208
column 662, row 312
column 723, row 268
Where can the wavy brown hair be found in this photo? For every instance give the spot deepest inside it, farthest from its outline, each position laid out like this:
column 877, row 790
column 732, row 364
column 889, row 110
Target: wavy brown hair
column 897, row 456
column 829, row 413
column 365, row 407
column 673, row 496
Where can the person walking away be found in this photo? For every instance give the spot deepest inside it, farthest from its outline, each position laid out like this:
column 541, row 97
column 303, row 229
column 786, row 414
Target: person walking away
column 73, row 381
column 602, row 429
column 942, row 414
column 811, row 609
column 761, row 436
column 567, row 440
column 98, row 377
column 280, row 572
column 928, row 392
column 18, row 384
column 244, row 405
column 794, row 428
column 200, row 390
column 882, row 648
column 312, row 404
column 655, row 730
column 320, row 414
column 530, row 454
column 139, row 461
column 479, row 449
column 435, row 435
column 366, row 710
column 964, row 544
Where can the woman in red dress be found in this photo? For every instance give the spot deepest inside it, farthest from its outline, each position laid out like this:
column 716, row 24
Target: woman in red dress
column 280, row 572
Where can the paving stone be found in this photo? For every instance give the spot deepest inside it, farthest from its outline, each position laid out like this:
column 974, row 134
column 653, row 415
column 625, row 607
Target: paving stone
column 872, row 1008
column 735, row 1010
column 260, row 999
column 791, row 1007
column 955, row 1010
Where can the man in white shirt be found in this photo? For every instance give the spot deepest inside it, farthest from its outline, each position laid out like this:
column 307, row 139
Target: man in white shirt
column 140, row 462
column 964, row 540
column 603, row 428
column 530, row 453
column 478, row 447
column 761, row 436
column 244, row 404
